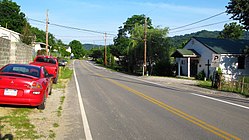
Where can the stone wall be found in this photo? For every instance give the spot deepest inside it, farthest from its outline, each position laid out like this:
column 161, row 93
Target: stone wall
column 4, row 51
column 14, row 52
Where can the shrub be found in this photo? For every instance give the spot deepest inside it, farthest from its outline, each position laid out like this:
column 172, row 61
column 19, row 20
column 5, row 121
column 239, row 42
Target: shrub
column 201, row 75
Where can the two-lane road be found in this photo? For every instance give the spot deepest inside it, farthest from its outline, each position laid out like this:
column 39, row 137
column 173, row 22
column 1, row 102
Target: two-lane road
column 117, row 107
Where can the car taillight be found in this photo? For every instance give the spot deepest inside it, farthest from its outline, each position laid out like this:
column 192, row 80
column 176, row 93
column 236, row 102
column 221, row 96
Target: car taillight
column 35, row 85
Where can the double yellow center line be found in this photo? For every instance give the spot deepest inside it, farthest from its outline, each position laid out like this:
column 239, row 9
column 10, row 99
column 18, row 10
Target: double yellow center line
column 200, row 123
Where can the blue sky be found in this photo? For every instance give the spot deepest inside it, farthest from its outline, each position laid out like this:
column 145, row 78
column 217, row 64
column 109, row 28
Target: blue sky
column 108, row 15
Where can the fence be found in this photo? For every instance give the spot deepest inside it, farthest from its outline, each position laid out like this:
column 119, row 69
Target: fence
column 241, row 85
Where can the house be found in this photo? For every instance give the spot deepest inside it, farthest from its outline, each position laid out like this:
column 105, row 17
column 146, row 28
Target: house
column 68, row 49
column 207, row 54
column 40, row 46
column 9, row 34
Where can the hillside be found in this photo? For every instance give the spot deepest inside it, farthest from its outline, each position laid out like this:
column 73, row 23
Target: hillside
column 177, row 41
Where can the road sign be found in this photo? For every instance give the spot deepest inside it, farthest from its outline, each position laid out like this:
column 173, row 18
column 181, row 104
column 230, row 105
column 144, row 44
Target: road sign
column 215, row 60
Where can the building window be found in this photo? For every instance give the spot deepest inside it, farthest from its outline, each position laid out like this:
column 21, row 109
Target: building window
column 241, row 62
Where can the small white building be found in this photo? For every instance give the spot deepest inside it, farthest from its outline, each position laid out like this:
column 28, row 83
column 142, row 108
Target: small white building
column 40, row 46
column 210, row 53
column 9, row 34
column 68, row 49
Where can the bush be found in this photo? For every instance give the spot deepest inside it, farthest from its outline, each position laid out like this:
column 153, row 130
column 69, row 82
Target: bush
column 201, row 75
column 100, row 61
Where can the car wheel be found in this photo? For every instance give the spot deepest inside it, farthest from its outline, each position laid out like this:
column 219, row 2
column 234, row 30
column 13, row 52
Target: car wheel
column 50, row 92
column 55, row 80
column 43, row 104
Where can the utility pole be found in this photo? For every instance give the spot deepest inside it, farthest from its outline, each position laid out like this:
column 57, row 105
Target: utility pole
column 47, row 32
column 145, row 46
column 105, row 53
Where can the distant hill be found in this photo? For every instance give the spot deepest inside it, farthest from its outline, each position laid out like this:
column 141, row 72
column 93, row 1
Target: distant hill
column 90, row 46
column 177, row 41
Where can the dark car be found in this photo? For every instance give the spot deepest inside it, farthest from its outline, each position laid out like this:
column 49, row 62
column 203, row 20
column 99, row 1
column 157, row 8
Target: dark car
column 62, row 62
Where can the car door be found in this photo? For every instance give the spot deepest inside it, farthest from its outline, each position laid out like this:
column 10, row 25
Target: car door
column 47, row 81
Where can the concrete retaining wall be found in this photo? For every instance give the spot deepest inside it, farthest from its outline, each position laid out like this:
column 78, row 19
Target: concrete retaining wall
column 14, row 52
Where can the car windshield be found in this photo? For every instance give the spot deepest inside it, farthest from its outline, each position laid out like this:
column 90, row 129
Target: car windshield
column 46, row 60
column 21, row 69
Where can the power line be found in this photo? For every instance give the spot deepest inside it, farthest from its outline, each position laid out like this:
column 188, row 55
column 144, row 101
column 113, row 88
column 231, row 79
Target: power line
column 197, row 21
column 74, row 28
column 201, row 26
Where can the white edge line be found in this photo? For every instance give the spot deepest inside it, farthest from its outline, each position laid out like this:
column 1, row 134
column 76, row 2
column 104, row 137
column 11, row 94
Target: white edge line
column 82, row 110
column 211, row 98
column 237, row 105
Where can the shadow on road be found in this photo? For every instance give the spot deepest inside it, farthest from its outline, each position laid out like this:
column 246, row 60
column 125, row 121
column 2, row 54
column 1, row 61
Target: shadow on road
column 141, row 83
column 221, row 97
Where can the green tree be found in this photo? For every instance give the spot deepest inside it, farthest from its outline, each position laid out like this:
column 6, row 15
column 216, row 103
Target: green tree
column 40, row 35
column 27, row 37
column 231, row 31
column 11, row 16
column 129, row 44
column 96, row 54
column 122, row 40
column 77, row 49
column 130, row 23
column 240, row 11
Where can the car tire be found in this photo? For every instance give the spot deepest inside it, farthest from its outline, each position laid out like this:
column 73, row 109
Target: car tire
column 55, row 80
column 43, row 104
column 50, row 92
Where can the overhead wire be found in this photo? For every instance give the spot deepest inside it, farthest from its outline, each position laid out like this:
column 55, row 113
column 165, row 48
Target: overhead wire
column 170, row 30
column 199, row 21
column 201, row 26
column 74, row 28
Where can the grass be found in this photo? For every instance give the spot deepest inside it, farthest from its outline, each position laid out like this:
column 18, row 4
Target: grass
column 59, row 110
column 64, row 75
column 52, row 134
column 18, row 120
column 55, row 125
column 205, row 84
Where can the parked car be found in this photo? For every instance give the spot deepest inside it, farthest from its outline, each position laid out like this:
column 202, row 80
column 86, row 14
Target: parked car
column 62, row 62
column 22, row 84
column 50, row 63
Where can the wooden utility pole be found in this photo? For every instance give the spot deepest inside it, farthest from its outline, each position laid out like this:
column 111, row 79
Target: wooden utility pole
column 47, row 32
column 105, row 53
column 145, row 46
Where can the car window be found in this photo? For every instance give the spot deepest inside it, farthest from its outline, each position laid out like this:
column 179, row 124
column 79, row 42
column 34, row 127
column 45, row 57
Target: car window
column 46, row 60
column 46, row 74
column 40, row 59
column 51, row 60
column 22, row 69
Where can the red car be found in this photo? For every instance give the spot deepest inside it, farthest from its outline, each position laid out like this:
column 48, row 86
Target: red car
column 50, row 63
column 22, row 84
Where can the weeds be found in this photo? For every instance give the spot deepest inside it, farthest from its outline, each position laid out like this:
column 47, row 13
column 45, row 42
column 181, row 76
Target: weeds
column 18, row 120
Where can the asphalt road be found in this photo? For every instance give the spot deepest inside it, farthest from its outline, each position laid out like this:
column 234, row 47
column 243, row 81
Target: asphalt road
column 118, row 108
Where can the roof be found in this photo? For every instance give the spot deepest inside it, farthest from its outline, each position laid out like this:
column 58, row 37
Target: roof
column 224, row 46
column 181, row 53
